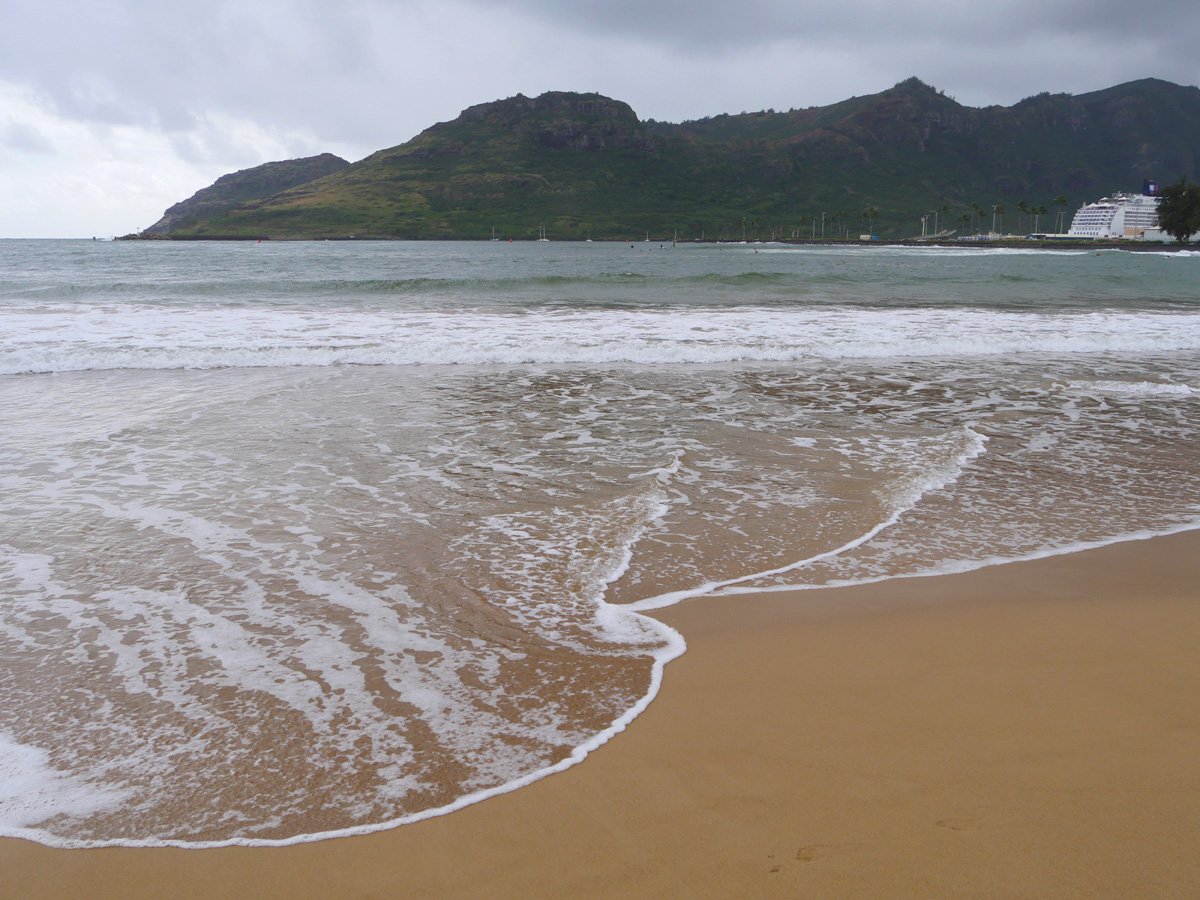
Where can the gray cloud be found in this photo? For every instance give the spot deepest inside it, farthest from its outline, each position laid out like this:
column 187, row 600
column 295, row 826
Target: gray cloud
column 25, row 139
column 166, row 65
column 701, row 26
column 346, row 71
column 982, row 53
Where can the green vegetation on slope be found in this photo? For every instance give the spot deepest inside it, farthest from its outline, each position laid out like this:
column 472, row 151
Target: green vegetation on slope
column 583, row 164
column 245, row 185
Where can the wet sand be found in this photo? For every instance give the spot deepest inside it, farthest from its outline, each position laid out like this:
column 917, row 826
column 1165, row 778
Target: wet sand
column 1029, row 730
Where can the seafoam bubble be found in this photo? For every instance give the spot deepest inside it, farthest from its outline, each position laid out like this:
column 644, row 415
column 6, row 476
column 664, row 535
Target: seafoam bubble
column 939, row 463
column 32, row 791
column 1138, row 388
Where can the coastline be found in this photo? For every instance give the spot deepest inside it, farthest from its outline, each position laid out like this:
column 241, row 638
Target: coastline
column 1030, row 729
column 1051, row 244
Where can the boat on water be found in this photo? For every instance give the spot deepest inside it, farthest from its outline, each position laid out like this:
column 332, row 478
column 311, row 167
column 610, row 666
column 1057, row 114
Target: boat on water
column 542, row 234
column 1119, row 216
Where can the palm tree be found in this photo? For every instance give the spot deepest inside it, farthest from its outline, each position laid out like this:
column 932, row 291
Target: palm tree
column 871, row 212
column 997, row 211
column 1022, row 208
column 1061, row 202
column 978, row 210
column 1038, row 212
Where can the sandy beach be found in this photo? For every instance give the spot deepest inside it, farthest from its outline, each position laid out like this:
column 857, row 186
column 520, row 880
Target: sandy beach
column 1029, row 730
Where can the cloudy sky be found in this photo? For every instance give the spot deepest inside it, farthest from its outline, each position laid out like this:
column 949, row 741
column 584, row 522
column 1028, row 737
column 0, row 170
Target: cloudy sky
column 111, row 110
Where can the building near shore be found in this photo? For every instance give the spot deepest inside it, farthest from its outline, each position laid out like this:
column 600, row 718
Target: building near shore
column 1119, row 216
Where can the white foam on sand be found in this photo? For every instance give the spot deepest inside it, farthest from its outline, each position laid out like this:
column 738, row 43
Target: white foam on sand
column 32, row 792
column 959, row 567
column 1139, row 388
column 918, row 466
column 904, row 496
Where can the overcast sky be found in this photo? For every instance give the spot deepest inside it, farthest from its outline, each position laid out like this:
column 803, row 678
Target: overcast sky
column 112, row 110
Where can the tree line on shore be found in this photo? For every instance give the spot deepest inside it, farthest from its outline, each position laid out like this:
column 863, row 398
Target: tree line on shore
column 1178, row 216
column 837, row 224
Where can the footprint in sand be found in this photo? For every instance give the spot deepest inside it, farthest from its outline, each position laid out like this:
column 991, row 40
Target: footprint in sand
column 963, row 823
column 814, row 852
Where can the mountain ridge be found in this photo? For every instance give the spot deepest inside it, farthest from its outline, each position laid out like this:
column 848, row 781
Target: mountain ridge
column 245, row 185
column 585, row 164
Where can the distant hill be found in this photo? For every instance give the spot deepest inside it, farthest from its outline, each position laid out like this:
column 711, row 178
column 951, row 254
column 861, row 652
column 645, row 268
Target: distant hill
column 248, row 184
column 585, row 164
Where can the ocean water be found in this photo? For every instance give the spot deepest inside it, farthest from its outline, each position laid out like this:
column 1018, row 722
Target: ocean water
column 307, row 539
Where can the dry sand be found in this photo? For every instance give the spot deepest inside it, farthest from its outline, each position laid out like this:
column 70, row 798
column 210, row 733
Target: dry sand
column 1029, row 730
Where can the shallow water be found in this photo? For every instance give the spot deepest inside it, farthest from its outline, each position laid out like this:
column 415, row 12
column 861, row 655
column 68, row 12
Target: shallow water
column 302, row 539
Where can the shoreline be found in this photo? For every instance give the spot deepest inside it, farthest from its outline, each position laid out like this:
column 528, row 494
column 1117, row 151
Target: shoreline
column 911, row 737
column 972, row 244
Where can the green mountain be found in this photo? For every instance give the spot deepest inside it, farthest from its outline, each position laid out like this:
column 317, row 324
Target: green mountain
column 239, row 187
column 583, row 164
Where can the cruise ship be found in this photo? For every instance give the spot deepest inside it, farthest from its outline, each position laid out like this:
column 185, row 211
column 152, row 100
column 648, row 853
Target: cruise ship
column 1119, row 216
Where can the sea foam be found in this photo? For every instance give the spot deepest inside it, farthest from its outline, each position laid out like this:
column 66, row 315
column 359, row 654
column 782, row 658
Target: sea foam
column 98, row 338
column 33, row 792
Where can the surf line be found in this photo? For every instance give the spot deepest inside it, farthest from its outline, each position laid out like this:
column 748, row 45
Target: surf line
column 661, row 601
